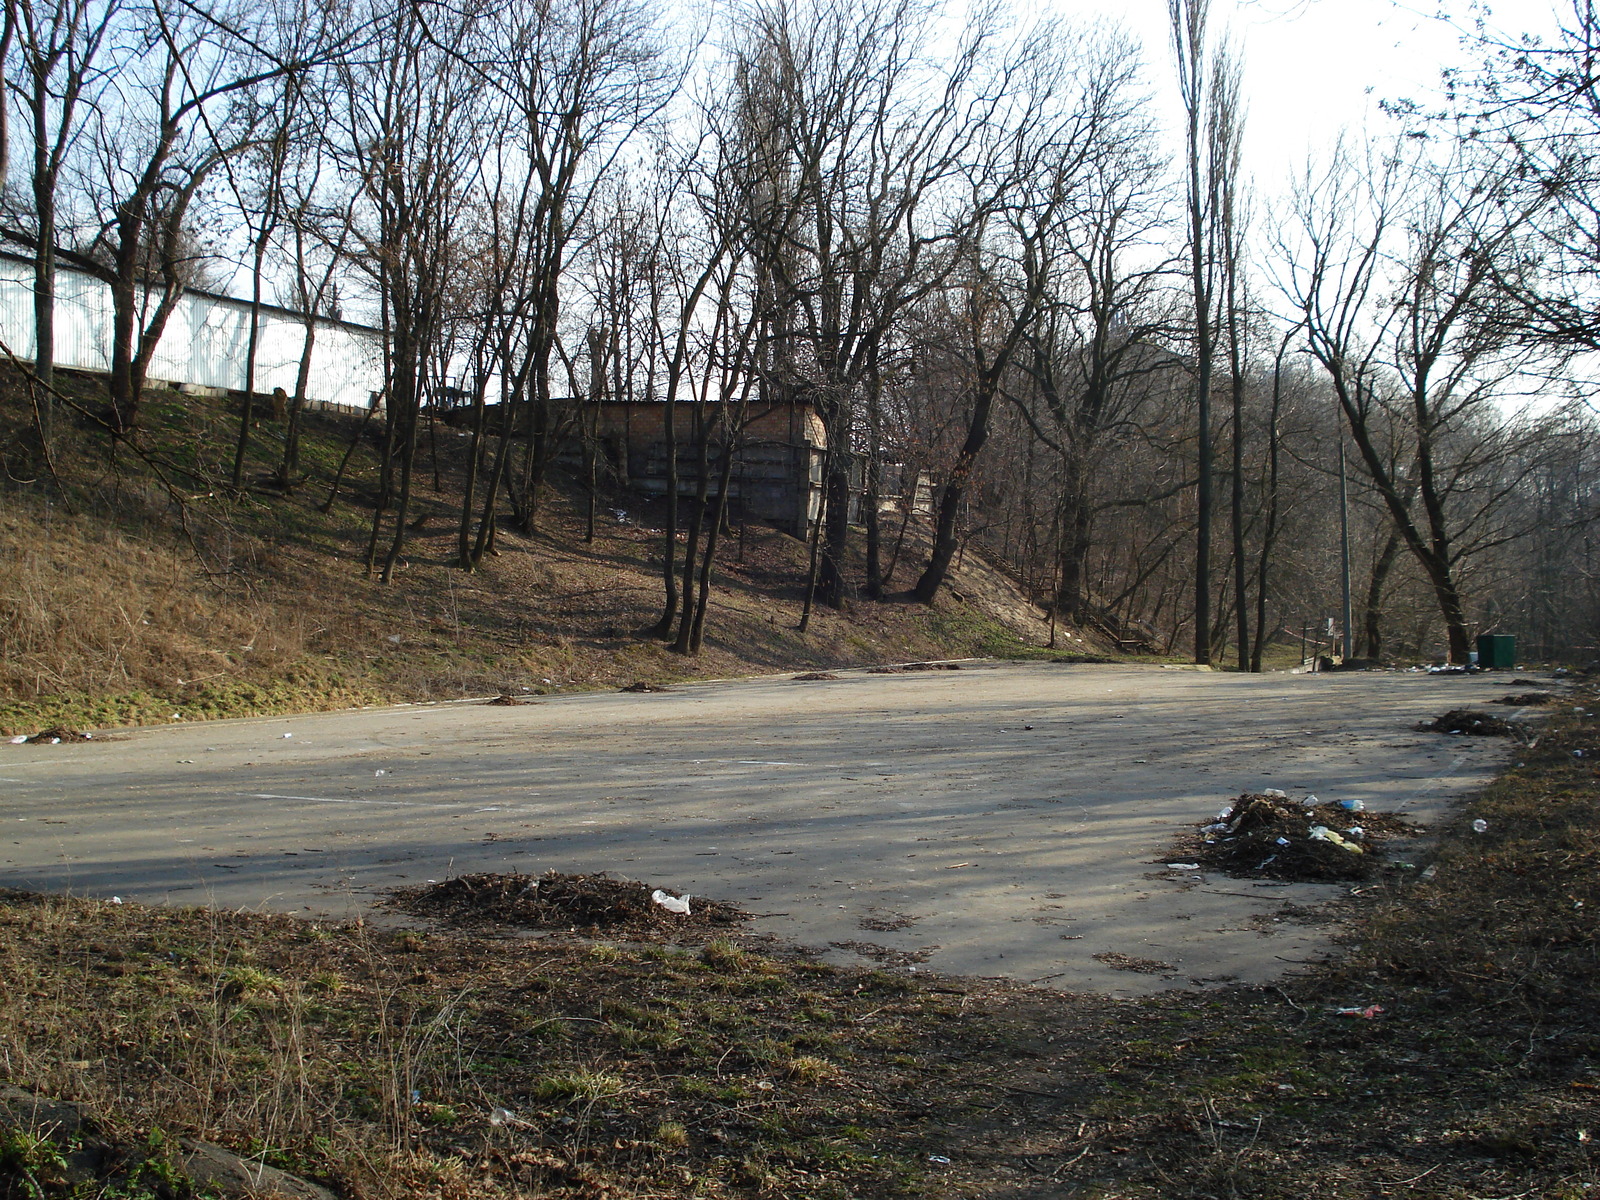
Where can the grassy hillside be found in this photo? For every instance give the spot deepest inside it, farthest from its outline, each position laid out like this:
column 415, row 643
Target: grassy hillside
column 135, row 587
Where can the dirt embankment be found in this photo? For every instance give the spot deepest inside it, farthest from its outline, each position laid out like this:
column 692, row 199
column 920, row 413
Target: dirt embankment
column 123, row 601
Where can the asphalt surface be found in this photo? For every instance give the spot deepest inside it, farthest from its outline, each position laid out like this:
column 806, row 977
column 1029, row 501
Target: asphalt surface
column 1002, row 819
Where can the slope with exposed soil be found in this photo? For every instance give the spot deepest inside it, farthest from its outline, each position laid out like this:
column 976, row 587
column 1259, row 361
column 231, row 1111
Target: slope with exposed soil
column 137, row 588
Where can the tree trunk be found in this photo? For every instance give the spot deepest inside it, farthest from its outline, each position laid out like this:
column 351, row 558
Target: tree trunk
column 1372, row 606
column 955, row 489
column 1269, row 535
column 297, row 407
column 247, row 412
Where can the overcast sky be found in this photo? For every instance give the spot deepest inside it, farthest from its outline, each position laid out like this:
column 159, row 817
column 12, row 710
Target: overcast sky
column 1314, row 67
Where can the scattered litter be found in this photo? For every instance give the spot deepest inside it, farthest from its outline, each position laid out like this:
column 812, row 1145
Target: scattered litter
column 1469, row 721
column 1274, row 793
column 1367, row 1012
column 558, row 901
column 116, row 899
column 673, row 904
column 938, row 1160
column 394, row 639
column 639, row 685
column 288, row 735
column 19, row 739
column 1183, row 866
column 1480, row 826
column 1323, row 834
column 1311, row 802
column 499, row 1116
column 1429, row 871
column 1352, row 806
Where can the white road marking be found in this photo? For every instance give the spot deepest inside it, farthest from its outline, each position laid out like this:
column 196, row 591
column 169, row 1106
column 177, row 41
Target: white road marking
column 345, row 800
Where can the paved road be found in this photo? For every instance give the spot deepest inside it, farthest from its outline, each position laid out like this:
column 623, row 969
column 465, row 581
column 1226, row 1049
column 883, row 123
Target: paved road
column 921, row 798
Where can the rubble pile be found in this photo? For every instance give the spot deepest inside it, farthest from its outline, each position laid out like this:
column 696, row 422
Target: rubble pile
column 1269, row 836
column 55, row 735
column 1470, row 721
column 1529, row 699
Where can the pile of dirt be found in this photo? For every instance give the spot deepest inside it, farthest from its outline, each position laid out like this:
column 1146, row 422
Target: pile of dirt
column 57, row 734
column 932, row 666
column 1269, row 836
column 587, row 903
column 640, row 685
column 815, row 677
column 1529, row 699
column 1469, row 721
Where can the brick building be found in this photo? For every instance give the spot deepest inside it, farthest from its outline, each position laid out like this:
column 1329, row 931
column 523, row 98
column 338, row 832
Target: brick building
column 778, row 448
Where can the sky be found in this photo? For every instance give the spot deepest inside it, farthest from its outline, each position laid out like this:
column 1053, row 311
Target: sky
column 1315, row 67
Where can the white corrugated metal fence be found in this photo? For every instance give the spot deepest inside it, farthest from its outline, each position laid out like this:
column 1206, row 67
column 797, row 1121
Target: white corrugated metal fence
column 204, row 342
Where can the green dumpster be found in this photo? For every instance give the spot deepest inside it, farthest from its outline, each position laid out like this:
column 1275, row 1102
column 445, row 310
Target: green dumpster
column 1497, row 651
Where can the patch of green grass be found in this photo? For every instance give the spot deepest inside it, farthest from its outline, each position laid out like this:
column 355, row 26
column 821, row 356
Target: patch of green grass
column 308, row 689
column 981, row 635
column 578, row 1084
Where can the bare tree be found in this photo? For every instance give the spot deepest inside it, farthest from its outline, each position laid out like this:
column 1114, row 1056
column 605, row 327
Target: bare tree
column 410, row 132
column 1394, row 270
column 855, row 136
column 579, row 80
column 1089, row 360
column 1537, row 100
column 1208, row 91
column 1068, row 110
column 256, row 179
column 60, row 72
column 181, row 106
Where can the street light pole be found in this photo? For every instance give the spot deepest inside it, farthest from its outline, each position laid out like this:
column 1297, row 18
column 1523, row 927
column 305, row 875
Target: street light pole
column 1344, row 545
